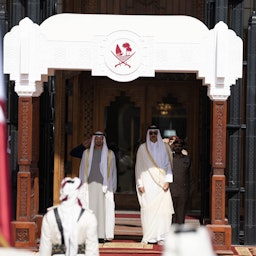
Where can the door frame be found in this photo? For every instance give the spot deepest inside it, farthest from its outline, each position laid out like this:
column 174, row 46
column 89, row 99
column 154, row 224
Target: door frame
column 146, row 94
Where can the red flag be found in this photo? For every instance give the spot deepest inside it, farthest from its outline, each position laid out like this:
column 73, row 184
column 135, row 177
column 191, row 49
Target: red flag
column 5, row 196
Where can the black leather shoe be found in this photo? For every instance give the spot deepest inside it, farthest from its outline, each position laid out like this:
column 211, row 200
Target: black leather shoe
column 152, row 242
column 101, row 240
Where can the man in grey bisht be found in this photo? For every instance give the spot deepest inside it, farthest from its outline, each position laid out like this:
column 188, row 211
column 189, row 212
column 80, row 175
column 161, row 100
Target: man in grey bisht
column 98, row 172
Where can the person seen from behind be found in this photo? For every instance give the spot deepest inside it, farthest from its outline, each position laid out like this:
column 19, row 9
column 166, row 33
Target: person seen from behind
column 69, row 229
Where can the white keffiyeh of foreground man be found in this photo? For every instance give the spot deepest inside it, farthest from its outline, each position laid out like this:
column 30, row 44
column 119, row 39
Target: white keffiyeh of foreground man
column 153, row 174
column 98, row 172
column 69, row 229
column 187, row 239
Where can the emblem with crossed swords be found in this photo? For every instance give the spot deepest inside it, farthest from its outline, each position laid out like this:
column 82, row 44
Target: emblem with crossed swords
column 123, row 58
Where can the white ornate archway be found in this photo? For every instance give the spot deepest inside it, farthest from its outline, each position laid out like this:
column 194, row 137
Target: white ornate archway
column 122, row 48
column 91, row 42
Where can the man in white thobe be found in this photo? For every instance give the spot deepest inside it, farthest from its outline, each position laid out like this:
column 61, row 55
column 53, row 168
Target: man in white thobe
column 76, row 233
column 188, row 239
column 98, row 172
column 153, row 174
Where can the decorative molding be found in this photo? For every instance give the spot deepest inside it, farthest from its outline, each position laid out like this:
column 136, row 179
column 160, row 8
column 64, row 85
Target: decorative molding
column 24, row 88
column 218, row 200
column 32, row 52
column 219, row 134
column 23, row 207
column 22, row 235
column 219, row 238
column 25, row 119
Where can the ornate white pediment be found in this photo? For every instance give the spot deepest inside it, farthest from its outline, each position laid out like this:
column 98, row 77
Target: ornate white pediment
column 123, row 48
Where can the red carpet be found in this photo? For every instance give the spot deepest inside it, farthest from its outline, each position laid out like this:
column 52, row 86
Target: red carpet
column 128, row 215
column 128, row 230
column 157, row 250
column 121, row 247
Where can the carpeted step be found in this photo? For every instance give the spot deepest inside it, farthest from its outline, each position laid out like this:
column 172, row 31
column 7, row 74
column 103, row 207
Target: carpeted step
column 129, row 247
column 128, row 223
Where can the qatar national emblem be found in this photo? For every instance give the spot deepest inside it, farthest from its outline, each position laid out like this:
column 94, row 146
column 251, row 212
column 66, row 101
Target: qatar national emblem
column 123, row 56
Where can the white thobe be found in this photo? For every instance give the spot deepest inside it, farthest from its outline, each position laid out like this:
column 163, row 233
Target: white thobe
column 108, row 192
column 155, row 203
column 85, row 231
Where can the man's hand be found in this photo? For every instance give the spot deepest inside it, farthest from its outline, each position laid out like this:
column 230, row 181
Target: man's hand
column 86, row 143
column 141, row 189
column 166, row 186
